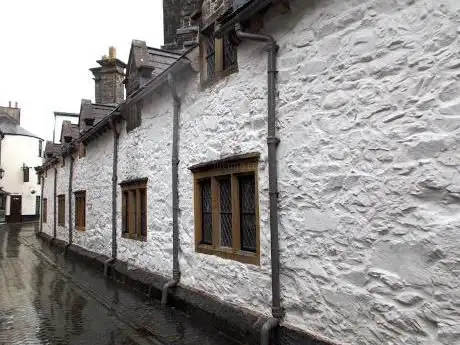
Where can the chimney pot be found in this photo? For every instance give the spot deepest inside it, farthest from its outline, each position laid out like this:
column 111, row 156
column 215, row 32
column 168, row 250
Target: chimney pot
column 112, row 52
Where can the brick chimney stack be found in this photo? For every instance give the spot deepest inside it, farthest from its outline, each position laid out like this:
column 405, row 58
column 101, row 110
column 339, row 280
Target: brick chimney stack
column 108, row 78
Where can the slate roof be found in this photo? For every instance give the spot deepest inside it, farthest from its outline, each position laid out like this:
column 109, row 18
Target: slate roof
column 93, row 111
column 54, row 149
column 9, row 126
column 69, row 130
column 161, row 59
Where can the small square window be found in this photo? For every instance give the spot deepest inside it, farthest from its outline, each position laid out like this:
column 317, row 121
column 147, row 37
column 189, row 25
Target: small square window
column 134, row 209
column 80, row 210
column 45, row 210
column 219, row 56
column 61, row 210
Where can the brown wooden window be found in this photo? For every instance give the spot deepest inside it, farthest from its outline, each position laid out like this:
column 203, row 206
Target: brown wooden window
column 45, row 210
column 219, row 56
column 226, row 209
column 133, row 115
column 80, row 210
column 61, row 209
column 134, row 209
column 81, row 150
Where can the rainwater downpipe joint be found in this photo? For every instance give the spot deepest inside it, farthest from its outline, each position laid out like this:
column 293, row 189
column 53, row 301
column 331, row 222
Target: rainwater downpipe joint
column 272, row 144
column 175, row 191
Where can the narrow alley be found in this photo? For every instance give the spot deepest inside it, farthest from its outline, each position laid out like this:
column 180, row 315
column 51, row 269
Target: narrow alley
column 46, row 298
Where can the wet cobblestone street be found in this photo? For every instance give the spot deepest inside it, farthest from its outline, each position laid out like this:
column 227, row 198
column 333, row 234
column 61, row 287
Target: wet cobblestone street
column 48, row 299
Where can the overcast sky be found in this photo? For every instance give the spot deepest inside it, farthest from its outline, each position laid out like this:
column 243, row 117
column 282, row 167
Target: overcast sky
column 48, row 46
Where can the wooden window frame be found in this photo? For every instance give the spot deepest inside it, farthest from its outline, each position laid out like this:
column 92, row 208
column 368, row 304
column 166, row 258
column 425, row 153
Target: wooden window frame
column 133, row 115
column 45, row 210
column 132, row 211
column 81, row 150
column 80, row 210
column 219, row 56
column 234, row 169
column 61, row 209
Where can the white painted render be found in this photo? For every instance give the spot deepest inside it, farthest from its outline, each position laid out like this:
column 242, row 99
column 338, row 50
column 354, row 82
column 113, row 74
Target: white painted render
column 369, row 181
column 16, row 151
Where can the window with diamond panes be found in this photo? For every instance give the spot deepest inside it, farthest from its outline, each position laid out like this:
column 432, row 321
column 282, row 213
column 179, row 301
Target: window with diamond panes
column 219, row 56
column 226, row 212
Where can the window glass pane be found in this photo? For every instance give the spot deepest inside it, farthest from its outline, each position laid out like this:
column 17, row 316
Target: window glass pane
column 229, row 53
column 124, row 213
column 210, row 54
column 133, row 227
column 83, row 207
column 247, row 212
column 37, row 204
column 225, row 212
column 143, row 212
column 206, row 226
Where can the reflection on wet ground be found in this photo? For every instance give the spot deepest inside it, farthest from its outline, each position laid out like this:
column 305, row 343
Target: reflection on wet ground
column 48, row 299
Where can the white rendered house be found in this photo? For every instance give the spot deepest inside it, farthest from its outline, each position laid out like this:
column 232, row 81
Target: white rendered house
column 20, row 152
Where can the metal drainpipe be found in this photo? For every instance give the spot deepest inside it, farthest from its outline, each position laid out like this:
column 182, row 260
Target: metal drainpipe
column 175, row 190
column 116, row 137
column 42, row 178
column 272, row 143
column 55, row 201
column 70, row 200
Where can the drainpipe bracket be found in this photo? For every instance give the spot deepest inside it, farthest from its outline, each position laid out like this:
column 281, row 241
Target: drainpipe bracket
column 176, row 275
column 273, row 140
column 278, row 312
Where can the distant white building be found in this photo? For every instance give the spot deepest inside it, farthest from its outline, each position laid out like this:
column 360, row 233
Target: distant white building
column 20, row 152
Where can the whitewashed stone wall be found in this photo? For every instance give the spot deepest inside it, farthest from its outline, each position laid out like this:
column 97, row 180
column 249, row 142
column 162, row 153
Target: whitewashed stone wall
column 369, row 178
column 146, row 152
column 48, row 193
column 93, row 174
column 62, row 187
column 368, row 117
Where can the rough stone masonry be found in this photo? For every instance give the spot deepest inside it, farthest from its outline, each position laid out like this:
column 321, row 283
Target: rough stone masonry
column 369, row 120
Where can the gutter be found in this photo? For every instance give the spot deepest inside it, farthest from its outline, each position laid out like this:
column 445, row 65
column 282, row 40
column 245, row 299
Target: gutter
column 272, row 143
column 175, row 190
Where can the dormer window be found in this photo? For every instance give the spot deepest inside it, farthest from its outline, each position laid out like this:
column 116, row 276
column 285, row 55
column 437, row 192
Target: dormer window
column 219, row 56
column 89, row 121
column 67, row 139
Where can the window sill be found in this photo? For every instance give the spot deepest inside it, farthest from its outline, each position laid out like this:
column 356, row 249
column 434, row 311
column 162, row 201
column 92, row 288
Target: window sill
column 218, row 76
column 136, row 237
column 80, row 228
column 228, row 253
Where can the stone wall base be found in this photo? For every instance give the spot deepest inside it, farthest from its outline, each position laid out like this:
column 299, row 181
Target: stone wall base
column 239, row 323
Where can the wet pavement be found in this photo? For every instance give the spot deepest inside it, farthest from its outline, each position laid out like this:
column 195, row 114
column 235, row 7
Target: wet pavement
column 46, row 298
